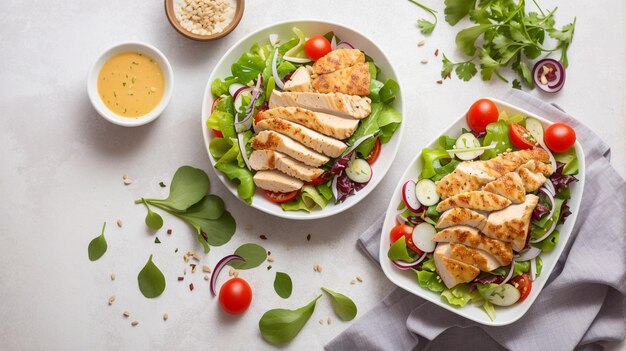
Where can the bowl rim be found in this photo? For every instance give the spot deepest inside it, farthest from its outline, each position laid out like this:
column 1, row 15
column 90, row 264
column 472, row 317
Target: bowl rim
column 171, row 17
column 392, row 275
column 92, row 83
column 327, row 212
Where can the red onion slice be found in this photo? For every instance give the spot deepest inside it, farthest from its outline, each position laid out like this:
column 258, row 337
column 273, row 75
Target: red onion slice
column 358, row 142
column 546, row 234
column 400, row 219
column 529, row 254
column 218, row 268
column 296, row 59
column 551, row 198
column 550, row 187
column 242, row 149
column 560, row 75
column 234, row 88
column 344, row 45
column 508, row 276
column 554, row 223
column 277, row 80
column 406, row 265
column 533, row 269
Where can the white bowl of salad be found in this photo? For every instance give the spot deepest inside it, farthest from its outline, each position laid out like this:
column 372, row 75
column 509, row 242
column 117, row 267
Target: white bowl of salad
column 302, row 119
column 481, row 215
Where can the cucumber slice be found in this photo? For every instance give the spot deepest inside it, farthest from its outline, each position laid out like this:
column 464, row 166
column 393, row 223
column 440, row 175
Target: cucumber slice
column 423, row 237
column 535, row 129
column 501, row 295
column 359, row 171
column 426, row 192
column 467, row 141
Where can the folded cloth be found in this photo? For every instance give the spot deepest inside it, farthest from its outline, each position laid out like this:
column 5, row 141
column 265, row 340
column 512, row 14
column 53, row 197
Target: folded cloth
column 581, row 307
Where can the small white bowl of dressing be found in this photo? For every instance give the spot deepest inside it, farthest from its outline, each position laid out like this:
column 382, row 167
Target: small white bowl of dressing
column 130, row 84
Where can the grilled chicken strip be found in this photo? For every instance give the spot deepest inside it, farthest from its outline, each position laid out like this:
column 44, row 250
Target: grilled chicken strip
column 337, row 104
column 277, row 181
column 333, row 126
column 472, row 175
column 308, row 137
column 471, row 237
column 477, row 200
column 261, row 160
column 300, row 80
column 540, row 167
column 338, row 59
column 511, row 224
column 532, row 181
column 474, row 257
column 270, row 140
column 451, row 271
column 353, row 80
column 510, row 186
column 461, row 216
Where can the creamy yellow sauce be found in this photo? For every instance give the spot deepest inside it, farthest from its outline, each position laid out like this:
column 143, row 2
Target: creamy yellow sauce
column 131, row 84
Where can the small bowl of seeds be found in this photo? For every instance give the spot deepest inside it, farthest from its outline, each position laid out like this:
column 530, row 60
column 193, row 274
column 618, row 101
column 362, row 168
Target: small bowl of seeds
column 204, row 20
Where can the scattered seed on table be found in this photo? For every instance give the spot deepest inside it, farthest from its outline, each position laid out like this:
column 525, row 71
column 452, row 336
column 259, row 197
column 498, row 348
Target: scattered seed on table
column 193, row 268
column 206, row 277
column 112, row 276
column 165, row 316
column 126, row 180
column 424, row 61
column 421, row 43
column 353, row 282
column 169, row 232
column 437, row 52
column 270, row 259
column 321, row 321
column 359, row 278
column 196, row 256
column 440, row 81
column 206, row 268
column 111, row 299
column 191, row 287
column 329, row 321
column 248, row 226
column 180, row 278
column 308, row 237
column 186, row 258
column 134, row 323
column 317, row 267
column 184, row 271
column 263, row 237
column 119, row 223
column 126, row 314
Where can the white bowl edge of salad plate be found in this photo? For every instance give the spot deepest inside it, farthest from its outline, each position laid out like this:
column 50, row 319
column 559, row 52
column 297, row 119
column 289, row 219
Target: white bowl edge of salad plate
column 309, row 27
column 407, row 280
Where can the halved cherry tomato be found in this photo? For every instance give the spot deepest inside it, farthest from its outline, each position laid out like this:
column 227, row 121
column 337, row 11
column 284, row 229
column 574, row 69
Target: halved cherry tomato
column 257, row 118
column 521, row 137
column 480, row 114
column 279, row 198
column 406, row 231
column 373, row 156
column 216, row 132
column 316, row 47
column 559, row 137
column 319, row 180
column 523, row 283
column 235, row 296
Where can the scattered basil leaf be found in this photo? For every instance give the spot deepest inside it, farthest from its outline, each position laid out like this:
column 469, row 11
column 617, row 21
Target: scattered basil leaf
column 188, row 186
column 153, row 220
column 343, row 305
column 151, row 280
column 253, row 255
column 98, row 246
column 282, row 284
column 279, row 326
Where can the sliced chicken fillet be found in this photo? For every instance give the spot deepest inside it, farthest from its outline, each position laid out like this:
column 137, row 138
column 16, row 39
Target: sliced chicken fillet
column 308, row 137
column 354, row 80
column 277, row 181
column 510, row 161
column 338, row 104
column 476, row 200
column 510, row 186
column 261, row 160
column 451, row 271
column 512, row 223
column 474, row 257
column 338, row 59
column 532, row 181
column 333, row 126
column 270, row 140
column 540, row 167
column 461, row 216
column 300, row 80
column 471, row 237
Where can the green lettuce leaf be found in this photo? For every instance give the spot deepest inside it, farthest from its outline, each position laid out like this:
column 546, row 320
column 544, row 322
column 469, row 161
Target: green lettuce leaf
column 460, row 295
column 219, row 87
column 497, row 132
column 570, row 159
column 247, row 67
column 429, row 156
column 398, row 251
column 223, row 122
column 430, row 281
column 246, row 186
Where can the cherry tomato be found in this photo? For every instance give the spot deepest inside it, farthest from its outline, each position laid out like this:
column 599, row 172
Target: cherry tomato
column 319, row 180
column 257, row 118
column 480, row 114
column 217, row 101
column 235, row 296
column 523, row 283
column 406, row 231
column 373, row 156
column 559, row 137
column 316, row 47
column 279, row 198
column 521, row 137
column 216, row 132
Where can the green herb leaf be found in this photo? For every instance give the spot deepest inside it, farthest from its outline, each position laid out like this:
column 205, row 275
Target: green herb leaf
column 398, row 251
column 153, row 220
column 457, row 9
column 188, row 186
column 282, row 284
column 466, row 38
column 98, row 246
column 516, row 84
column 465, row 70
column 343, row 305
column 151, row 280
column 279, row 326
column 487, row 65
column 447, row 68
column 253, row 254
column 425, row 26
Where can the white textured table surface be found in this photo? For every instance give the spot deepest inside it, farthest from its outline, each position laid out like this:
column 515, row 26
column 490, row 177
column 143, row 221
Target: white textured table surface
column 62, row 165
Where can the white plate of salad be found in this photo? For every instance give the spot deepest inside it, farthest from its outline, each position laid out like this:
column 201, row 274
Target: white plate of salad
column 302, row 119
column 481, row 215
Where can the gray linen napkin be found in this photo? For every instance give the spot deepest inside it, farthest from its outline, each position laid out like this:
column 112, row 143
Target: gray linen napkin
column 582, row 307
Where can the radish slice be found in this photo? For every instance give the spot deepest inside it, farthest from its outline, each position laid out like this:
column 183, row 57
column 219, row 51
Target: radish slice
column 277, row 80
column 218, row 268
column 426, row 192
column 423, row 237
column 529, row 254
column 465, row 141
column 344, row 45
column 406, row 265
column 359, row 171
column 503, row 295
column 549, row 75
column 409, row 196
column 232, row 89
